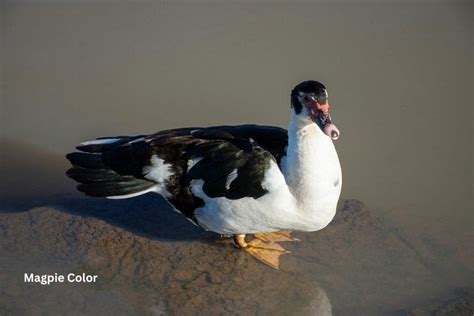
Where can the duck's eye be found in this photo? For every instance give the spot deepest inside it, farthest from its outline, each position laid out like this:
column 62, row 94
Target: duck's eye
column 322, row 99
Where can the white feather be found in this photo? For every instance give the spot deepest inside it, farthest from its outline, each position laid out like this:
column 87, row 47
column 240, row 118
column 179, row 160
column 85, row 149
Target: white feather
column 158, row 172
column 230, row 178
column 100, row 141
column 137, row 140
column 191, row 221
column 126, row 196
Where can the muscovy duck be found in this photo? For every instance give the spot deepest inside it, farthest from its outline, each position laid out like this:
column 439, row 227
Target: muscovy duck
column 232, row 180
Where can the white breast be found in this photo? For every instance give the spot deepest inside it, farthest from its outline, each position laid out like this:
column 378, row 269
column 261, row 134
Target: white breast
column 313, row 173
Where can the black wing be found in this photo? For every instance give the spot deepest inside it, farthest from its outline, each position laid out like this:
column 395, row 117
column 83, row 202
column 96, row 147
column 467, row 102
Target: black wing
column 270, row 138
column 118, row 166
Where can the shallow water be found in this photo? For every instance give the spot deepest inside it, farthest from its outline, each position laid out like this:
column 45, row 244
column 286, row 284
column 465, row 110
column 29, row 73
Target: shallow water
column 399, row 78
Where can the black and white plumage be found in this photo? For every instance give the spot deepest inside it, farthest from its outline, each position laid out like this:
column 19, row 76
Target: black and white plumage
column 227, row 179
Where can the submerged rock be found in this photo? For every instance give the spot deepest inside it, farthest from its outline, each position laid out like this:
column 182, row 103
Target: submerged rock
column 151, row 261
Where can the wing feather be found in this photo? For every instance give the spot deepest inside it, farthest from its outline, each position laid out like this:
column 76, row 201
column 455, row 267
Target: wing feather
column 118, row 166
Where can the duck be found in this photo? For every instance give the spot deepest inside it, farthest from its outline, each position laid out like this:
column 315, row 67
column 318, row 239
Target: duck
column 235, row 181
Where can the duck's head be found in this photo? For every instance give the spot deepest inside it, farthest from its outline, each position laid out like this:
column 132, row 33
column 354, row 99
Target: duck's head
column 309, row 100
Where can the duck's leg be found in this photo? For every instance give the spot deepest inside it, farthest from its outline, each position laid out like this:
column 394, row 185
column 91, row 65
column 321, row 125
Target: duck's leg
column 267, row 252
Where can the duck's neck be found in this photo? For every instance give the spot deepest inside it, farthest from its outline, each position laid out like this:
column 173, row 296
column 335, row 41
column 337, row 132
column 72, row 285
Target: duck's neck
column 312, row 171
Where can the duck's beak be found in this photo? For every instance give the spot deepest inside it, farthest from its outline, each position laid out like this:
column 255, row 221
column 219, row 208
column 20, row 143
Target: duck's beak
column 320, row 115
column 328, row 127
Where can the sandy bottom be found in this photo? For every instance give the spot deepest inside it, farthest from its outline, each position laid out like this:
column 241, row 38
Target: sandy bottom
column 152, row 261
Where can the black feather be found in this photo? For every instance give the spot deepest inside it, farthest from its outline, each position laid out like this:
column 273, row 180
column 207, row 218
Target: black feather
column 86, row 160
column 107, row 189
column 84, row 175
column 221, row 158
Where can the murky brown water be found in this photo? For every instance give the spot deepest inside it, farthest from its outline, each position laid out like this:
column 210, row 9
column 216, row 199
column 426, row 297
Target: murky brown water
column 399, row 77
